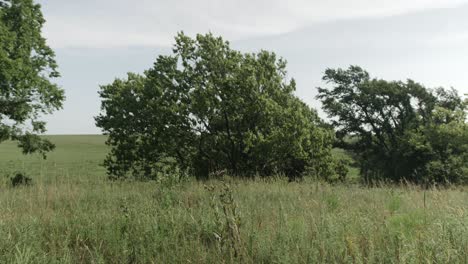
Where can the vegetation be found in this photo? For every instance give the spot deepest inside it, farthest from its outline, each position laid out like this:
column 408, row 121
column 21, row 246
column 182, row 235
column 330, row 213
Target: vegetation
column 72, row 214
column 232, row 120
column 209, row 108
column 27, row 66
column 398, row 130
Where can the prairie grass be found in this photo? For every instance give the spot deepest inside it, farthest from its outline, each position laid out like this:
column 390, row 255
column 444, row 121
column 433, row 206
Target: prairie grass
column 72, row 214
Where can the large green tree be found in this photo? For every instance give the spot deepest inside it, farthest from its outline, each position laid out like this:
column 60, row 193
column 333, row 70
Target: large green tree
column 27, row 67
column 209, row 108
column 399, row 130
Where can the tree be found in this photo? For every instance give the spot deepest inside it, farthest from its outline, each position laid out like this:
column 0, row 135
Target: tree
column 27, row 66
column 443, row 144
column 399, row 130
column 209, row 108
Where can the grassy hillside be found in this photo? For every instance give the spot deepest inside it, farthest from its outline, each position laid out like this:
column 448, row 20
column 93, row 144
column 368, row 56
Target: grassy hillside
column 76, row 157
column 72, row 214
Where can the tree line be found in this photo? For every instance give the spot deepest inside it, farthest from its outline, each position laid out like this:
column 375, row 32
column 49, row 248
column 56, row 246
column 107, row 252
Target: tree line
column 207, row 108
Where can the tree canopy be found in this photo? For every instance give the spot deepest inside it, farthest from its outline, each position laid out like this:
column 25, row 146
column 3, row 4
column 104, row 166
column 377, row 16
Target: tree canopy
column 208, row 108
column 399, row 130
column 27, row 66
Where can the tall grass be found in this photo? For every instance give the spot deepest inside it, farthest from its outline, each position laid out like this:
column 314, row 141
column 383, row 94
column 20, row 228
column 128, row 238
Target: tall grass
column 72, row 214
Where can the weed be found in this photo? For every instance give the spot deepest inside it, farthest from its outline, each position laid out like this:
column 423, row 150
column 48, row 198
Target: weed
column 228, row 221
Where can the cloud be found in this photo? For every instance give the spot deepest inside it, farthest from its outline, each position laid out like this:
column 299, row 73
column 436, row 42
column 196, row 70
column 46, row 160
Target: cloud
column 121, row 23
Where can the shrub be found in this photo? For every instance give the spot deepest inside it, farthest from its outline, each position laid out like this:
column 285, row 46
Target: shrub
column 20, row 179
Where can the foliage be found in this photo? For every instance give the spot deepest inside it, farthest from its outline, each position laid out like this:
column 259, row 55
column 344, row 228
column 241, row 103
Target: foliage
column 445, row 146
column 27, row 66
column 342, row 169
column 211, row 108
column 399, row 130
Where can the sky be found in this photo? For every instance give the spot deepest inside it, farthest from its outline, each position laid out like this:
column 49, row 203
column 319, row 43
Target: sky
column 98, row 41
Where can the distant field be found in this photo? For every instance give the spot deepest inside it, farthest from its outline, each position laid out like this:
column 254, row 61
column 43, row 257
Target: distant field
column 70, row 148
column 76, row 156
column 72, row 214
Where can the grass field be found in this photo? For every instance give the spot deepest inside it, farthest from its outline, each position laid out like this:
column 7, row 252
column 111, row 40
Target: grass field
column 72, row 214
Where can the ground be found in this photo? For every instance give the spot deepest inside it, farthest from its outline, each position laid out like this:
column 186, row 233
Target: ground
column 72, row 214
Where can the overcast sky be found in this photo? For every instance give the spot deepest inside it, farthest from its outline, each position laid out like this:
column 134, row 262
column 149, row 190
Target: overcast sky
column 97, row 41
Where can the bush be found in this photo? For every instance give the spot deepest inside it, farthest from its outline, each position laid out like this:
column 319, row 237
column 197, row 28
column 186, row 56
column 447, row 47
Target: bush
column 20, row 179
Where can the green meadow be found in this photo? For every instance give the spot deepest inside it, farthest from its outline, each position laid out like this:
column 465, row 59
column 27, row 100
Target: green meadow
column 71, row 213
